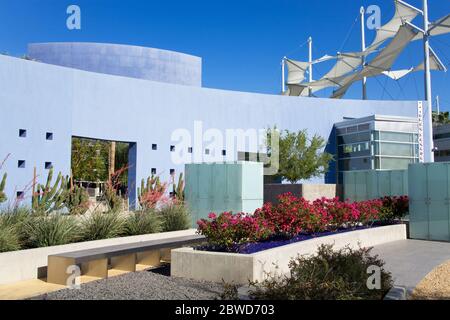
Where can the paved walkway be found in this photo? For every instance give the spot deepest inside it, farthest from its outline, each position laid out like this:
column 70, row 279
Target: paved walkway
column 410, row 261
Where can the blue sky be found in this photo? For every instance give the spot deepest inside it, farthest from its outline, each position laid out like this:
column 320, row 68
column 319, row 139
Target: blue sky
column 241, row 41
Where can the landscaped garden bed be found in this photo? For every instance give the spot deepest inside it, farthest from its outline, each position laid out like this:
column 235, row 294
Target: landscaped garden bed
column 243, row 247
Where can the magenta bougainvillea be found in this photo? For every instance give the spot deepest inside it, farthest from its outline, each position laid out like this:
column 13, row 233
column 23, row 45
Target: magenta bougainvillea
column 293, row 216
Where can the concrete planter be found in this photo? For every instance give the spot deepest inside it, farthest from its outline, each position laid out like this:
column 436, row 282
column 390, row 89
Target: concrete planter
column 32, row 264
column 240, row 268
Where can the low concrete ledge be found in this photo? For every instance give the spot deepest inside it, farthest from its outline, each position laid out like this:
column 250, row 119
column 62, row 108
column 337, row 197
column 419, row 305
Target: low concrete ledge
column 32, row 264
column 240, row 268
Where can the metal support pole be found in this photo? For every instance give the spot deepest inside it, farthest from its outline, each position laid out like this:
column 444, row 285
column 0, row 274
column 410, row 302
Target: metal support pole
column 283, row 81
column 438, row 106
column 310, row 43
column 363, row 48
column 428, row 96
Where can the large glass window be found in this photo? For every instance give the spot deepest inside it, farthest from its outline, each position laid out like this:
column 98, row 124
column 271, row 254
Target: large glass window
column 395, row 149
column 354, row 138
column 395, row 136
column 355, row 164
column 361, row 149
column 355, row 150
column 393, row 163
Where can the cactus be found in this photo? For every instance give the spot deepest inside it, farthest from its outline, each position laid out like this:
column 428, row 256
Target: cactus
column 178, row 189
column 76, row 198
column 46, row 199
column 3, row 197
column 150, row 192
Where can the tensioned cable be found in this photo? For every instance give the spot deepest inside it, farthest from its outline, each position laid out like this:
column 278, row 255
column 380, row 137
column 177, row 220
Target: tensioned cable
column 296, row 49
column 349, row 33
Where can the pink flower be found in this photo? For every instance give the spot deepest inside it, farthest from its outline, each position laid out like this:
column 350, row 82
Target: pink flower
column 212, row 216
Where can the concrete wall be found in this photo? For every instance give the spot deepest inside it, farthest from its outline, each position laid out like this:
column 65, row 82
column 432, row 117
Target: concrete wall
column 240, row 268
column 32, row 264
column 122, row 60
column 310, row 192
column 41, row 97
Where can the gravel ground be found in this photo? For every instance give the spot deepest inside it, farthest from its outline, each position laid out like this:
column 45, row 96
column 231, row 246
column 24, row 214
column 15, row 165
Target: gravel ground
column 436, row 285
column 145, row 285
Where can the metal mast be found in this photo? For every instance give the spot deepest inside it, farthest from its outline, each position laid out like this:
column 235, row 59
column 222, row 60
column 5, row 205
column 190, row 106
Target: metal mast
column 310, row 43
column 363, row 48
column 428, row 96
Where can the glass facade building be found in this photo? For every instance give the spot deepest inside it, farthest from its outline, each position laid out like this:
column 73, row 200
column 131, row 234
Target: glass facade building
column 376, row 143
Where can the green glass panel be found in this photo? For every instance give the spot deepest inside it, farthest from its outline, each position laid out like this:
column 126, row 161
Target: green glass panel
column 397, row 187
column 437, row 182
column 384, row 183
column 417, row 182
column 418, row 215
column 361, row 186
column 205, row 181
column 249, row 206
column 234, row 181
column 191, row 182
column 372, row 185
column 439, row 226
column 253, row 181
column 349, row 185
column 219, row 180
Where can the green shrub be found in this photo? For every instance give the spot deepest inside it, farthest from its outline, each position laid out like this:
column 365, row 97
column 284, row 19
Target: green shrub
column 143, row 222
column 15, row 216
column 9, row 238
column 100, row 226
column 52, row 230
column 175, row 217
column 394, row 208
column 329, row 275
column 3, row 197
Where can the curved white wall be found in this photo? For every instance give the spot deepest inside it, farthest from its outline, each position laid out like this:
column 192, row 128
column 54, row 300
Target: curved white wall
column 122, row 60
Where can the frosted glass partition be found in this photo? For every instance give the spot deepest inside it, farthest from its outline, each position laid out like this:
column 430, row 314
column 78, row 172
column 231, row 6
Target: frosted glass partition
column 221, row 187
column 374, row 184
column 429, row 193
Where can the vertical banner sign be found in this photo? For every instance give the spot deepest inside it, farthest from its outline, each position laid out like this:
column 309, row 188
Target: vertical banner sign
column 421, row 138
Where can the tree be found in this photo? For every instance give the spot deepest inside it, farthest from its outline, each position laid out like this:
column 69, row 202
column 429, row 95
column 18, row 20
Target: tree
column 441, row 118
column 89, row 160
column 301, row 158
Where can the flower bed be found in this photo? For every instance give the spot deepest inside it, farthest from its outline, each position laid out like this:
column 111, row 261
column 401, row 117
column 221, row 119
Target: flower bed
column 295, row 219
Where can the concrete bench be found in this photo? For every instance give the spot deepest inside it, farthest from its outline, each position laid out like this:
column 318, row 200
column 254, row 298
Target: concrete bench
column 124, row 257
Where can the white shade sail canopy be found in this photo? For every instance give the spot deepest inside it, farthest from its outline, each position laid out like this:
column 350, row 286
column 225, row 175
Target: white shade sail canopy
column 349, row 66
column 397, row 74
column 383, row 61
column 296, row 71
column 403, row 13
column 437, row 28
column 347, row 62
